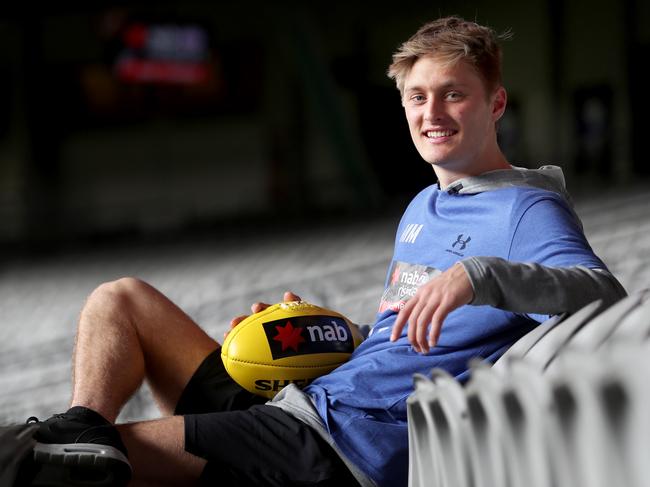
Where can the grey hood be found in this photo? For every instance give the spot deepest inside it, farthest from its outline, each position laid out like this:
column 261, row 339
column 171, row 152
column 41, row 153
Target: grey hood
column 530, row 287
column 550, row 178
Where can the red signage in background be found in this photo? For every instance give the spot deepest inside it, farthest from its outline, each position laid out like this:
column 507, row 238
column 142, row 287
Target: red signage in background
column 165, row 54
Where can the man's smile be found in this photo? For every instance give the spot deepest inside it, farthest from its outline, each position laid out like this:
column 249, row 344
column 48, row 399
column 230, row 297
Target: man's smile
column 439, row 135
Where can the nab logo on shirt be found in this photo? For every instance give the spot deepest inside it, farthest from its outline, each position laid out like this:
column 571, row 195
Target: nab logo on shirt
column 411, row 232
column 305, row 335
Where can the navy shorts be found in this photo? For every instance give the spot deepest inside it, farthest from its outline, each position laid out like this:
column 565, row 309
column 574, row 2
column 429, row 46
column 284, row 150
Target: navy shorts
column 249, row 443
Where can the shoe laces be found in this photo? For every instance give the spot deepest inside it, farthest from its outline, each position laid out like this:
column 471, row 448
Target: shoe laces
column 34, row 419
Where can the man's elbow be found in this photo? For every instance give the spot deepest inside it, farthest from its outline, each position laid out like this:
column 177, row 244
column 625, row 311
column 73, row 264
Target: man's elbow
column 612, row 290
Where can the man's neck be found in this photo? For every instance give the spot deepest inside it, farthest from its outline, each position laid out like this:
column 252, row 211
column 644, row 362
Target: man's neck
column 449, row 175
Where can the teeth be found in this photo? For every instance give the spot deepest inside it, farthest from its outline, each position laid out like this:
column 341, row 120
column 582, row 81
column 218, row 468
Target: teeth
column 439, row 133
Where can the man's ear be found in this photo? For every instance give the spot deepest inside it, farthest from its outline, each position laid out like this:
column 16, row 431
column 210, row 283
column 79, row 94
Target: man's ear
column 499, row 102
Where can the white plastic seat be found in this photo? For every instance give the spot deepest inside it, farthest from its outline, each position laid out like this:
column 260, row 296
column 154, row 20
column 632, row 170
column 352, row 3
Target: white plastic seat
column 531, row 429
column 449, row 415
column 599, row 328
column 567, row 405
column 521, row 347
column 635, row 326
column 424, row 464
column 585, row 450
column 438, row 412
column 487, row 425
column 549, row 346
column 625, row 396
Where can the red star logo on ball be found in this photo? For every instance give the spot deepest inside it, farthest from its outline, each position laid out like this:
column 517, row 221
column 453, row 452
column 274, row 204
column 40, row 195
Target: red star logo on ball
column 289, row 336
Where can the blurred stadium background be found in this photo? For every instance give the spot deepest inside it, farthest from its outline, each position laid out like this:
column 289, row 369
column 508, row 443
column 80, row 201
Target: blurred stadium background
column 162, row 117
column 228, row 151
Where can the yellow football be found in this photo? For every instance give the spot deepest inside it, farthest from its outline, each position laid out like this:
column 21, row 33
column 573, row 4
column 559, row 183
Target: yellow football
column 293, row 342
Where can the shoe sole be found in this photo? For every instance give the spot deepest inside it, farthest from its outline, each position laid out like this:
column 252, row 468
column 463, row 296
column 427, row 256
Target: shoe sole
column 16, row 444
column 80, row 465
column 79, row 454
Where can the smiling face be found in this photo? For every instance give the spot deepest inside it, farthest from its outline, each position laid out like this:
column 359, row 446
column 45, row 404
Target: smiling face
column 452, row 118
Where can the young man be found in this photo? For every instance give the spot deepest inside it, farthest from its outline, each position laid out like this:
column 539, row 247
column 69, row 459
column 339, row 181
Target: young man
column 480, row 258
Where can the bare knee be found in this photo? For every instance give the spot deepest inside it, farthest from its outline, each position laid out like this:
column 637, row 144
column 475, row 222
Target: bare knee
column 117, row 296
column 123, row 289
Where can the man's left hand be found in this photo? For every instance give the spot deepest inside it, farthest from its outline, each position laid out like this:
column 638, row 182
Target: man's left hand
column 431, row 304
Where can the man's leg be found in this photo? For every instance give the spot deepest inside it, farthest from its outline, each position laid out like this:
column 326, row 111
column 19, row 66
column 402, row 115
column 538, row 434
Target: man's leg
column 157, row 453
column 129, row 331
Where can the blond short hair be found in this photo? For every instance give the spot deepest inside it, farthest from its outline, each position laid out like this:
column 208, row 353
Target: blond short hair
column 452, row 39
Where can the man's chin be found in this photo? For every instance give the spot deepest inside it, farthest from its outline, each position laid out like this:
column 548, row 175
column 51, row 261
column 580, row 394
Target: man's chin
column 435, row 162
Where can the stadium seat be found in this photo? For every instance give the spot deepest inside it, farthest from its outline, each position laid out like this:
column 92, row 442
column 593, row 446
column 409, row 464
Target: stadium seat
column 635, row 326
column 489, row 450
column 599, row 328
column 423, row 455
column 585, row 443
column 530, row 430
column 547, row 348
column 567, row 405
column 437, row 409
column 525, row 343
column 625, row 395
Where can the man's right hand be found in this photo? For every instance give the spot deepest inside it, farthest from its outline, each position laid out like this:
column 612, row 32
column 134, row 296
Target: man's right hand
column 257, row 307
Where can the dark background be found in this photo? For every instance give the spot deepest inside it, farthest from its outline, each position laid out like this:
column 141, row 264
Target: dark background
column 294, row 119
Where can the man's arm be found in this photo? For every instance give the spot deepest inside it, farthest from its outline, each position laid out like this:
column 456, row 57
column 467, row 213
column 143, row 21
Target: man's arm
column 535, row 288
column 563, row 275
column 512, row 286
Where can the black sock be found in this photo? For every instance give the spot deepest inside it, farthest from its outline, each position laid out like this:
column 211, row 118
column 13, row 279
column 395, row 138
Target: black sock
column 88, row 415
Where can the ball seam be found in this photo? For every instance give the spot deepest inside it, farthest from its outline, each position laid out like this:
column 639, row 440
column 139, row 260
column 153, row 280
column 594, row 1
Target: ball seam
column 283, row 365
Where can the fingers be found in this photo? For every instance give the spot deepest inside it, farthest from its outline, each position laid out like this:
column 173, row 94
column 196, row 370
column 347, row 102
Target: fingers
column 289, row 296
column 436, row 327
column 426, row 311
column 424, row 320
column 237, row 320
column 233, row 323
column 412, row 331
column 436, row 320
column 421, row 318
column 402, row 319
column 419, row 322
column 257, row 307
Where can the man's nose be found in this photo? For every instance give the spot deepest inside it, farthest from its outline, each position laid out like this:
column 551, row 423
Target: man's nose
column 434, row 110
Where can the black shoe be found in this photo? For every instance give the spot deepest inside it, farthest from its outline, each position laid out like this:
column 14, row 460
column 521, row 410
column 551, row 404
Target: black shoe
column 79, row 448
column 16, row 446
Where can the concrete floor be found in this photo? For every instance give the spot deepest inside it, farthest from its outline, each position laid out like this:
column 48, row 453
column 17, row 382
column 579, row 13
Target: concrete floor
column 339, row 265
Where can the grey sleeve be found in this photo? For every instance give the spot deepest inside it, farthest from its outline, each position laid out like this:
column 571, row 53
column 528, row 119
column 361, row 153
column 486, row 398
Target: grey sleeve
column 535, row 288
